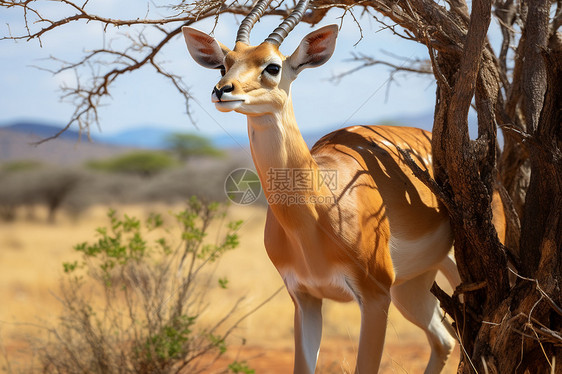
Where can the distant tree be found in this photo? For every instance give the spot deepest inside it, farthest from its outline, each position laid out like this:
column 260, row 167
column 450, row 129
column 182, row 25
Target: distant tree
column 186, row 145
column 14, row 187
column 143, row 163
column 52, row 186
column 9, row 197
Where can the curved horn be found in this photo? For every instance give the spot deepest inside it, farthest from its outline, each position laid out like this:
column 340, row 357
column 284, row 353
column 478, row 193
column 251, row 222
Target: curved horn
column 281, row 32
column 250, row 20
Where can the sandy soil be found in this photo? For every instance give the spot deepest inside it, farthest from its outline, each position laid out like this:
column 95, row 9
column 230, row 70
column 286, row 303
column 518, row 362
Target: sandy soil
column 31, row 254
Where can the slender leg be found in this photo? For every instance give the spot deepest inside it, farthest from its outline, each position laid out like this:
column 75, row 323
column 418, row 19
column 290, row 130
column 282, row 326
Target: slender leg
column 449, row 268
column 374, row 315
column 308, row 332
column 415, row 301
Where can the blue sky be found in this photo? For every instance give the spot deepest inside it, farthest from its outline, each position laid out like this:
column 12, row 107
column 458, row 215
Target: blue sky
column 143, row 98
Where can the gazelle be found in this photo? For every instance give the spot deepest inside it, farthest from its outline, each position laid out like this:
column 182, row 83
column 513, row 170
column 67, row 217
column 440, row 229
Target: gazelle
column 347, row 219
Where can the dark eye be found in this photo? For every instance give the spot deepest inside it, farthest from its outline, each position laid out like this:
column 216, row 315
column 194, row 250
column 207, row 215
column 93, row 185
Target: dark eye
column 222, row 69
column 273, row 69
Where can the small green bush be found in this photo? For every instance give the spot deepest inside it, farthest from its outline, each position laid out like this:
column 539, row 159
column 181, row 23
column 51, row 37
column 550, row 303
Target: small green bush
column 240, row 367
column 19, row 165
column 152, row 284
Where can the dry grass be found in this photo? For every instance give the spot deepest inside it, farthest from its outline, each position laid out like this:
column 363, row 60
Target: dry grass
column 31, row 254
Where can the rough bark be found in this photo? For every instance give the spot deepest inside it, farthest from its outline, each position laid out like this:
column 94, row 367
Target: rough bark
column 503, row 328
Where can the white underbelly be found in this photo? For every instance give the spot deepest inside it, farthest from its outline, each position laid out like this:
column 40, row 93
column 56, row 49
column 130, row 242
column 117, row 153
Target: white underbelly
column 333, row 284
column 411, row 258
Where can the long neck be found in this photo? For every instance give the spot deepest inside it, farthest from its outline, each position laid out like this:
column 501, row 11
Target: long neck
column 278, row 149
column 277, row 143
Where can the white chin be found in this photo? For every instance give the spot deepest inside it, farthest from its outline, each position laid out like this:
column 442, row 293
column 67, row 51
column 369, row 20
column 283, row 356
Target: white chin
column 227, row 106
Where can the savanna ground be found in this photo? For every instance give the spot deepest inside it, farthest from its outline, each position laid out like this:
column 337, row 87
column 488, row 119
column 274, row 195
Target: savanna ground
column 31, row 257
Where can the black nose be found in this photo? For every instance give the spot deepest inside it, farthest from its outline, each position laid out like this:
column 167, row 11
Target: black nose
column 220, row 91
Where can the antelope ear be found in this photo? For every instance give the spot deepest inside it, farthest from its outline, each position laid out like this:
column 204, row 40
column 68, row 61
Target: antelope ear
column 315, row 49
column 204, row 49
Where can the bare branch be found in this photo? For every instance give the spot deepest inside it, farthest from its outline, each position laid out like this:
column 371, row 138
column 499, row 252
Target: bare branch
column 417, row 66
column 88, row 98
column 425, row 178
column 88, row 94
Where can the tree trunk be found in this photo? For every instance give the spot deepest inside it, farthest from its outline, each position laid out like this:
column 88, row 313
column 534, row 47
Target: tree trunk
column 520, row 330
column 503, row 329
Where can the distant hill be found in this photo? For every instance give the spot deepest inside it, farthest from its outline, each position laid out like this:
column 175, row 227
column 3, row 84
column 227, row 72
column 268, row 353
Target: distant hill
column 143, row 137
column 40, row 130
column 18, row 142
column 16, row 139
column 146, row 137
column 154, row 136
